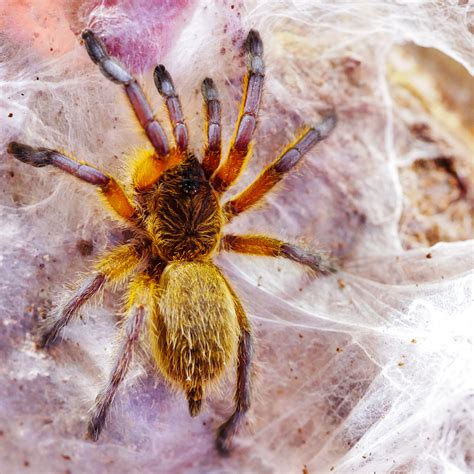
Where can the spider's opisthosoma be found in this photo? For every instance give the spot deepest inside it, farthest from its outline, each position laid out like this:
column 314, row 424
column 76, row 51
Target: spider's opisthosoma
column 195, row 322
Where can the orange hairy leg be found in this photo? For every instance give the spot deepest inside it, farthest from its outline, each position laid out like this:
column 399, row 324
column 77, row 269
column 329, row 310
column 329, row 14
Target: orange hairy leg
column 109, row 188
column 142, row 298
column 274, row 173
column 268, row 246
column 146, row 171
column 212, row 152
column 239, row 151
column 114, row 266
column 242, row 395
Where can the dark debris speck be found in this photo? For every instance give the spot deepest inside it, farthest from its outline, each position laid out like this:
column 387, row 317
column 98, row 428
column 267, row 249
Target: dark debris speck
column 85, row 247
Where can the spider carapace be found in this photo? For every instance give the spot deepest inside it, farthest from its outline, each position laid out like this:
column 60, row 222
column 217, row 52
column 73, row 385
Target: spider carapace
column 193, row 321
column 183, row 214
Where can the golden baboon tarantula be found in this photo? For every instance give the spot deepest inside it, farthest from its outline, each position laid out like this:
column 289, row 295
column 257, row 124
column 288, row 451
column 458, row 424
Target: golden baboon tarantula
column 196, row 323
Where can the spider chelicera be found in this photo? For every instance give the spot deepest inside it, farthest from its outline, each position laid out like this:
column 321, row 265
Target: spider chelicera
column 194, row 321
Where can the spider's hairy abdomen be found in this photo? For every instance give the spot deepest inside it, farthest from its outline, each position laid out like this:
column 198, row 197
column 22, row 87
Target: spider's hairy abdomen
column 195, row 332
column 184, row 218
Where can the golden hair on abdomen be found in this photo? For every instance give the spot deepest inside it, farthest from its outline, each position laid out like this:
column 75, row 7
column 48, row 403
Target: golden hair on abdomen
column 194, row 332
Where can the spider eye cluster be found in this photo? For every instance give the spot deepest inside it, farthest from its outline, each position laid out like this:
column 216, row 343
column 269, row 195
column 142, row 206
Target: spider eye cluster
column 190, row 186
column 191, row 182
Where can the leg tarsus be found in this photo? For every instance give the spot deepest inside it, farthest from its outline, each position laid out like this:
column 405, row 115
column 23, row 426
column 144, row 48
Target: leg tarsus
column 110, row 67
column 95, row 426
column 226, row 432
column 212, row 153
column 37, row 157
column 166, row 88
column 94, row 46
column 321, row 263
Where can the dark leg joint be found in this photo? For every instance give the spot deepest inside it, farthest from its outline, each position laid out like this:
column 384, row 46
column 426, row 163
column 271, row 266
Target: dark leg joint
column 212, row 156
column 245, row 132
column 314, row 135
column 287, row 161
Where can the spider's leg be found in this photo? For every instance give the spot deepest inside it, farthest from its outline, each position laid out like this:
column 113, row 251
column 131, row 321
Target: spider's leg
column 114, row 266
column 212, row 152
column 229, row 171
column 274, row 173
column 242, row 396
column 116, row 72
column 165, row 87
column 319, row 262
column 142, row 298
column 89, row 287
column 105, row 398
column 109, row 188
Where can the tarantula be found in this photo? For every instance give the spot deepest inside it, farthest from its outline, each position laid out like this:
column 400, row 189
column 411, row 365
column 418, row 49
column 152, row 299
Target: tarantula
column 195, row 323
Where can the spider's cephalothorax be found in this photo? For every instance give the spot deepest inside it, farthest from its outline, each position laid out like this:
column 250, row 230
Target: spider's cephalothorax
column 195, row 322
column 183, row 215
